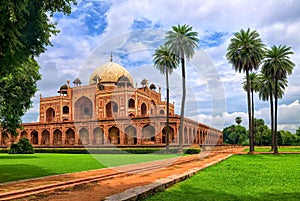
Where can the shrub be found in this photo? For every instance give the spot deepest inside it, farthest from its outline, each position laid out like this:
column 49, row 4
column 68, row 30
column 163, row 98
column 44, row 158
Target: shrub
column 21, row 147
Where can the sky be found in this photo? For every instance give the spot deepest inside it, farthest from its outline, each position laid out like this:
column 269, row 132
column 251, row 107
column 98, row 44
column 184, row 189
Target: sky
column 132, row 29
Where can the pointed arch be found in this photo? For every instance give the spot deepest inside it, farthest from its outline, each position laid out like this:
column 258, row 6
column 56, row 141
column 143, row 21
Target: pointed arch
column 23, row 134
column 164, row 134
column 45, row 137
column 185, row 136
column 98, row 136
column 83, row 108
column 70, row 136
column 57, row 137
column 130, row 135
column 66, row 109
column 4, row 139
column 143, row 109
column 34, row 137
column 84, row 136
column 50, row 114
column 114, row 135
column 131, row 103
column 111, row 109
column 148, row 133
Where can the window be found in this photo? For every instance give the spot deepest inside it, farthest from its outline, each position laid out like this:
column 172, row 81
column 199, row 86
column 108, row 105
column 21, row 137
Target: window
column 131, row 103
column 65, row 110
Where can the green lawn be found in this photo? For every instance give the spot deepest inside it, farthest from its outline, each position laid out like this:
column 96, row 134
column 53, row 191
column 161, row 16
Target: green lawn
column 242, row 177
column 16, row 167
column 280, row 149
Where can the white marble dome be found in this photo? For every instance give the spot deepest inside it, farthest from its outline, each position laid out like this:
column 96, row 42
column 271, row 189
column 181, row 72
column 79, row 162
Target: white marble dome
column 109, row 73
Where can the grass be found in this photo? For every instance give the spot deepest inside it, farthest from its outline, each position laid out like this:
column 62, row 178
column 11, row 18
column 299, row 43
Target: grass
column 241, row 178
column 280, row 149
column 17, row 167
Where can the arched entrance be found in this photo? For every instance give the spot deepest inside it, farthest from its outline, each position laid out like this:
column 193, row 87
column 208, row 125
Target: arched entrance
column 143, row 109
column 152, row 108
column 131, row 103
column 114, row 135
column 185, row 136
column 83, row 108
column 111, row 109
column 164, row 134
column 130, row 135
column 70, row 136
column 23, row 134
column 5, row 139
column 148, row 132
column 190, row 136
column 98, row 136
column 45, row 138
column 34, row 137
column 50, row 115
column 57, row 137
column 84, row 136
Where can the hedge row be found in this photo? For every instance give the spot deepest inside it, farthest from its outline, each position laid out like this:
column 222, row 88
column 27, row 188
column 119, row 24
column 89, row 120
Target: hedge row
column 109, row 150
column 4, row 150
column 114, row 150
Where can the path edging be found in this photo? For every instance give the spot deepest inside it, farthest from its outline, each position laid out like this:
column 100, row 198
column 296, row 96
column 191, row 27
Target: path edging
column 142, row 192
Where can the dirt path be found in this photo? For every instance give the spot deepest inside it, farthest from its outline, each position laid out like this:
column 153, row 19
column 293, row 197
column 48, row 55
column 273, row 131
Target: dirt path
column 100, row 190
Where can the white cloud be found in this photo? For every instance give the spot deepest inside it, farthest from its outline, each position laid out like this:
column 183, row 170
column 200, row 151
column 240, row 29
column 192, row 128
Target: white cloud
column 285, row 112
column 77, row 50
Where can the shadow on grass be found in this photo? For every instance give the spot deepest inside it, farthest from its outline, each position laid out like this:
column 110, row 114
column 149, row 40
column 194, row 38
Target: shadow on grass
column 14, row 172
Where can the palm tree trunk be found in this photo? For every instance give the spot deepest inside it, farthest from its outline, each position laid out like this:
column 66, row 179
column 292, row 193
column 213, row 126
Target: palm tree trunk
column 272, row 117
column 168, row 102
column 275, row 118
column 252, row 119
column 249, row 114
column 182, row 103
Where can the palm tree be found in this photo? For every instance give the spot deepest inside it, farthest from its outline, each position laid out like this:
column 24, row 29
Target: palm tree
column 277, row 65
column 238, row 120
column 266, row 93
column 245, row 53
column 253, row 88
column 182, row 41
column 165, row 62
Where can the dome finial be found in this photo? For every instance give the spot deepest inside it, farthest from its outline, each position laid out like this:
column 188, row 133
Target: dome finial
column 111, row 58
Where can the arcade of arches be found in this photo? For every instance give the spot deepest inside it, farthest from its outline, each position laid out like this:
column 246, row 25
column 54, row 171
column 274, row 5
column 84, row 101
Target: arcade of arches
column 109, row 111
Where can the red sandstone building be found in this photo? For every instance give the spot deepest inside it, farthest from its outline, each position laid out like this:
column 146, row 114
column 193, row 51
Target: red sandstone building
column 110, row 111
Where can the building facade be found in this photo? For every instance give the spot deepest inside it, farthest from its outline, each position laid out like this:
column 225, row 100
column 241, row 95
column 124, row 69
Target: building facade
column 110, row 110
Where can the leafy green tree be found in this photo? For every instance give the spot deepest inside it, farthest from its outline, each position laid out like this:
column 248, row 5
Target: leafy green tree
column 262, row 133
column 245, row 52
column 26, row 29
column 25, row 32
column 287, row 138
column 235, row 134
column 298, row 136
column 165, row 61
column 182, row 41
column 16, row 89
column 277, row 65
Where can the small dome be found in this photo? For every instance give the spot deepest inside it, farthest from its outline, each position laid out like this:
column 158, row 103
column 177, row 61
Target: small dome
column 64, row 87
column 77, row 81
column 123, row 79
column 110, row 73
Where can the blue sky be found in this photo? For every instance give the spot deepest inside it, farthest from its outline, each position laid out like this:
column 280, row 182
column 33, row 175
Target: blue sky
column 132, row 29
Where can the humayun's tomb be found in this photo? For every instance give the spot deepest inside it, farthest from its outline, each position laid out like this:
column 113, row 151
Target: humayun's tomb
column 110, row 111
